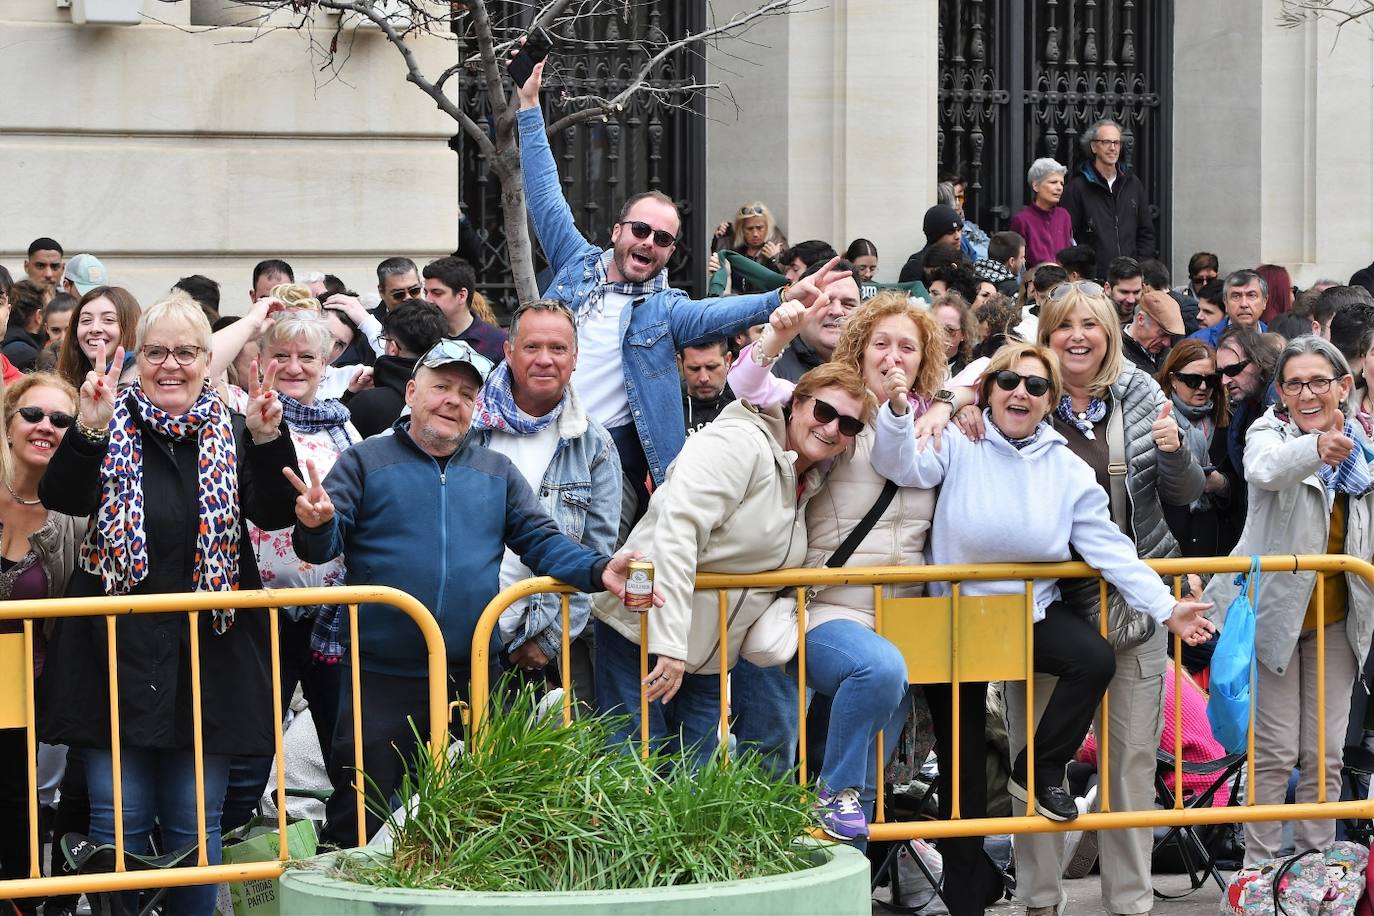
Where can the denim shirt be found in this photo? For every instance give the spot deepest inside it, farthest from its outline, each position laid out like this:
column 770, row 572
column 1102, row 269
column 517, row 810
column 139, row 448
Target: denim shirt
column 652, row 329
column 581, row 491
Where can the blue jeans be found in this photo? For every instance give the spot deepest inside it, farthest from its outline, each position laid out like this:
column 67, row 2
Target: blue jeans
column 691, row 720
column 160, row 785
column 764, row 702
column 866, row 678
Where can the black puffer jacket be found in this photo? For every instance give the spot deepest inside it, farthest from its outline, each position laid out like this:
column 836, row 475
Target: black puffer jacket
column 1114, row 221
column 154, row 649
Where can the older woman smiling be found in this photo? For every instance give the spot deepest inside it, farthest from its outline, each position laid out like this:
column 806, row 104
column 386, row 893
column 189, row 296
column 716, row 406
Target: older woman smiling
column 170, row 480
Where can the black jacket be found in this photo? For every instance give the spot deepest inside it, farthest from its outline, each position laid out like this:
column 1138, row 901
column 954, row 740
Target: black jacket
column 797, row 360
column 1113, row 222
column 376, row 409
column 21, row 348
column 699, row 413
column 154, row 649
column 1132, row 350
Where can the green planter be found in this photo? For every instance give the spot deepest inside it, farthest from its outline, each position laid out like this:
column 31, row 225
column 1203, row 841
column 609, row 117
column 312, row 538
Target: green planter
column 836, row 886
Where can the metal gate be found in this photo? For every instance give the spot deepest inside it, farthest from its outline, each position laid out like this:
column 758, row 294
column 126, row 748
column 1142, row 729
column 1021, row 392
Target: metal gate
column 658, row 143
column 1020, row 80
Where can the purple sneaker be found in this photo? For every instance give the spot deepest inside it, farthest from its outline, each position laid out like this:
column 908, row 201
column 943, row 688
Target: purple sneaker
column 842, row 815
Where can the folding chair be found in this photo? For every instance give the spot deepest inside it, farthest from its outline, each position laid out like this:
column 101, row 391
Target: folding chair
column 1198, row 861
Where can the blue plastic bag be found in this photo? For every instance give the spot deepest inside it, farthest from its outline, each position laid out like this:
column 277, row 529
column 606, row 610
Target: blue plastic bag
column 1233, row 667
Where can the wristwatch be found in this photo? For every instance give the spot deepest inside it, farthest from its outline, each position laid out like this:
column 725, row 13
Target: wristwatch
column 944, row 396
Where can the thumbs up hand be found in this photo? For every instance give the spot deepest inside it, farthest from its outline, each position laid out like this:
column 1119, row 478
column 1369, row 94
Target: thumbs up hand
column 1333, row 445
column 1165, row 430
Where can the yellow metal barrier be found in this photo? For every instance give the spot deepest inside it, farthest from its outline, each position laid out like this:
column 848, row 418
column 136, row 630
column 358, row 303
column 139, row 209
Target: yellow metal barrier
column 17, row 711
column 983, row 639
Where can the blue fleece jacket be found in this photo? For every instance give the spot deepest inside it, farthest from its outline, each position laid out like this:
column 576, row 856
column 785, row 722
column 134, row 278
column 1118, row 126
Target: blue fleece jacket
column 437, row 531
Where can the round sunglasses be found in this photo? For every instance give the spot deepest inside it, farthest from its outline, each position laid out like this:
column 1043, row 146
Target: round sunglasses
column 1036, row 385
column 662, row 238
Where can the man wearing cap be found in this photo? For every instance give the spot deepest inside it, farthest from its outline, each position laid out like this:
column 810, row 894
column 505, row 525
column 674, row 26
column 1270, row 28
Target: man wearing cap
column 429, row 511
column 1155, row 325
column 941, row 225
column 630, row 323
column 83, row 274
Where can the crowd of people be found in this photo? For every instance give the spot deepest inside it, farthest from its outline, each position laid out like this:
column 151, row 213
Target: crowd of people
column 1037, row 394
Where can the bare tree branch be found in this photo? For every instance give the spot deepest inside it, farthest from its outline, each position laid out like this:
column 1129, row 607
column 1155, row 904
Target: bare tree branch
column 1293, row 13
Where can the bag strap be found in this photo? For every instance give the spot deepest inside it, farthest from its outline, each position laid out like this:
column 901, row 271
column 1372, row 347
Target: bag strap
column 1282, row 872
column 1116, row 469
column 851, row 543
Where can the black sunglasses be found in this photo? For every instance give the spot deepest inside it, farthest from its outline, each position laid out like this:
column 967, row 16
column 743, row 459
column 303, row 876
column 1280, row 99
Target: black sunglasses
column 825, row 413
column 59, row 418
column 643, row 230
column 401, row 295
column 1196, row 380
column 1234, row 369
column 1036, row 385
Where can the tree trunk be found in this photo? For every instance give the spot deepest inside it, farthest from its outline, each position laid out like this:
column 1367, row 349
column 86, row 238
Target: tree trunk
column 519, row 247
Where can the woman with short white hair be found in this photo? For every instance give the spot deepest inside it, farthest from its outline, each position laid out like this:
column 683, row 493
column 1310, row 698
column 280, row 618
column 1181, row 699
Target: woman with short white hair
column 1044, row 224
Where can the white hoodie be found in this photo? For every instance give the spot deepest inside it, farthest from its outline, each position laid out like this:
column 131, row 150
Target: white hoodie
column 1001, row 504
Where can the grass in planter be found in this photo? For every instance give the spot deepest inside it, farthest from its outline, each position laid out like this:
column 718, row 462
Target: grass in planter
column 547, row 807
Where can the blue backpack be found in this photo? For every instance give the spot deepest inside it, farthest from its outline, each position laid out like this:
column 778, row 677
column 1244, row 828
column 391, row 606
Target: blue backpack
column 1233, row 667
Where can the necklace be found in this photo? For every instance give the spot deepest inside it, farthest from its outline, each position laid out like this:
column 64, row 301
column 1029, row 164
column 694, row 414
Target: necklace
column 19, row 499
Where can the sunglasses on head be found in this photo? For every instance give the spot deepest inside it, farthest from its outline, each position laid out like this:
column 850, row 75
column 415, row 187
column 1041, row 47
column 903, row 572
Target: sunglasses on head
column 1234, row 369
column 60, row 419
column 1087, row 286
column 825, row 413
column 1196, row 380
column 643, row 230
column 747, row 210
column 1036, row 385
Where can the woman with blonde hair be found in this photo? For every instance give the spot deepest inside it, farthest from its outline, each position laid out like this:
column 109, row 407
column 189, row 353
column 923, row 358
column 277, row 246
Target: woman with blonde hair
column 37, row 556
column 1112, row 415
column 754, row 233
column 858, row 674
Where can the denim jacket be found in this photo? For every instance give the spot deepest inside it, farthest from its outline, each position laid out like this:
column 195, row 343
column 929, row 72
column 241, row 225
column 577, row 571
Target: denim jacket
column 653, row 329
column 581, row 490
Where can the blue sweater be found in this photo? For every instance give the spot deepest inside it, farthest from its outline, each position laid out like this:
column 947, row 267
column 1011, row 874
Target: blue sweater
column 437, row 532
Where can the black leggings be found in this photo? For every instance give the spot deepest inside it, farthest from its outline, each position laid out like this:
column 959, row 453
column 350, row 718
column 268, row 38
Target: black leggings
column 1071, row 649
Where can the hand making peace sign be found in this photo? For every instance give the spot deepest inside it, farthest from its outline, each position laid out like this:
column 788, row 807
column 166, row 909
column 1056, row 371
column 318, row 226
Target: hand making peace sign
column 263, row 414
column 313, row 507
column 99, row 389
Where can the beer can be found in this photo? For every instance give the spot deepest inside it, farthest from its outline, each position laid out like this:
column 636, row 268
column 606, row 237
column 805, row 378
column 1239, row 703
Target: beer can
column 639, row 586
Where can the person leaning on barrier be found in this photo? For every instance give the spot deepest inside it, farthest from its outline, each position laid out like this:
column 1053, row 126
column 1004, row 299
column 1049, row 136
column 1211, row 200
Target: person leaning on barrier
column 170, row 479
column 859, row 678
column 1004, row 477
column 734, row 501
column 1111, row 406
column 1309, row 474
column 528, row 411
column 37, row 556
column 428, row 484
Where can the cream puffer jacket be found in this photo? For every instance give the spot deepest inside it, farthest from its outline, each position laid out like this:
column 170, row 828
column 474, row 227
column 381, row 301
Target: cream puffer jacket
column 898, row 538
column 729, row 505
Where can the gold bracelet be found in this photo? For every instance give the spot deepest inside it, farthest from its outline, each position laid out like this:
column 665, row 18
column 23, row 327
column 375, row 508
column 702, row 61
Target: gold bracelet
column 91, row 433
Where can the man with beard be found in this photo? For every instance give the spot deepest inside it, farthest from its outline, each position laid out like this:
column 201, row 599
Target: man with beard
column 704, row 391
column 1246, row 361
column 630, row 324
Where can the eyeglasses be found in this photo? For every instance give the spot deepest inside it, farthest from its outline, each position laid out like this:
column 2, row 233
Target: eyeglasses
column 60, row 419
column 1111, row 143
column 1294, row 387
column 1196, row 380
column 184, row 356
column 401, row 295
column 827, row 414
column 1086, row 286
column 1234, row 369
column 1036, row 385
column 748, row 210
column 643, row 230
